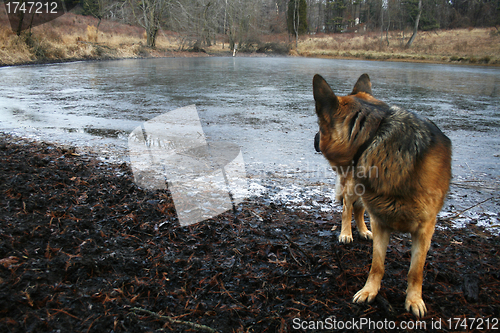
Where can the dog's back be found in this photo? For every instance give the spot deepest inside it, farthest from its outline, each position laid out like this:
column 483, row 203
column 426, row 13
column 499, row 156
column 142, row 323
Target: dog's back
column 408, row 170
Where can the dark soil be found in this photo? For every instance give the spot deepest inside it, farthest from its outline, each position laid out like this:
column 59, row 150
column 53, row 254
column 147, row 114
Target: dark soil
column 83, row 248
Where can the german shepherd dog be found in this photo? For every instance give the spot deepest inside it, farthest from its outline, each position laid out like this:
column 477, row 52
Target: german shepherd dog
column 401, row 160
column 346, row 192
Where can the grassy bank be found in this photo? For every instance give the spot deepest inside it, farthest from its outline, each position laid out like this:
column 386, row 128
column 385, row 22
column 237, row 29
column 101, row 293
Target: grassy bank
column 73, row 37
column 468, row 46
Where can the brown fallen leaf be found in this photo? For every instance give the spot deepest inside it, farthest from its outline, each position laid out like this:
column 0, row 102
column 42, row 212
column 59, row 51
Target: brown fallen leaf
column 9, row 261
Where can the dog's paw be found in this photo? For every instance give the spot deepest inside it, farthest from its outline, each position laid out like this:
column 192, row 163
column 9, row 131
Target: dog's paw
column 366, row 234
column 366, row 294
column 416, row 306
column 346, row 239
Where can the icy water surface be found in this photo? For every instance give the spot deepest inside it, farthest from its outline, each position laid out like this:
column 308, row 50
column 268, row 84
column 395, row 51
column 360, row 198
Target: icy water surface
column 266, row 107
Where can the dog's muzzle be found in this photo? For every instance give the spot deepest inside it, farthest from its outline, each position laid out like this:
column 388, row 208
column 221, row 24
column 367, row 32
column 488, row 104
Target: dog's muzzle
column 316, row 143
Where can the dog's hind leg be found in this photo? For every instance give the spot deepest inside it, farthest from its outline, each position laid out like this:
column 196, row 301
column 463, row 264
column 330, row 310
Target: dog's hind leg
column 421, row 240
column 359, row 211
column 381, row 237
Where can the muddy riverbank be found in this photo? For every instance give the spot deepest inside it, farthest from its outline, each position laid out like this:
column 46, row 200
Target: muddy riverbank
column 83, row 248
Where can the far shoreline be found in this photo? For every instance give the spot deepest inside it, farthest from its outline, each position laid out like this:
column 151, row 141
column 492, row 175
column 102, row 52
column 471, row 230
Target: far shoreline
column 228, row 54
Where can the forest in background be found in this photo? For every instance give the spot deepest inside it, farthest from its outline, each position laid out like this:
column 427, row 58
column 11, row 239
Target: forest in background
column 240, row 21
column 448, row 31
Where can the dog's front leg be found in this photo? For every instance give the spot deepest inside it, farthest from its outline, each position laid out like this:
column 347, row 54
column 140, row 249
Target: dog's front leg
column 380, row 241
column 346, row 232
column 421, row 241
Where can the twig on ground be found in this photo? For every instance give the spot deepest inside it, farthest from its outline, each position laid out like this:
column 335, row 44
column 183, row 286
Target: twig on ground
column 305, row 252
column 447, row 219
column 175, row 321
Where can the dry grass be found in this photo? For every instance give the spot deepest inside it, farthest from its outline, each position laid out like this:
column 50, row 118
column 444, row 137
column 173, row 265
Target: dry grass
column 13, row 49
column 461, row 45
column 74, row 37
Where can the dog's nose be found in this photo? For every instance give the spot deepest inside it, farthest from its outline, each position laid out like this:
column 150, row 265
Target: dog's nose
column 316, row 143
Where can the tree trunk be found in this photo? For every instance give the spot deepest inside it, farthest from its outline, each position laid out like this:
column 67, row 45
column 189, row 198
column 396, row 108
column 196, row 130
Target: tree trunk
column 381, row 25
column 297, row 40
column 151, row 37
column 296, row 21
column 388, row 25
column 415, row 28
column 21, row 18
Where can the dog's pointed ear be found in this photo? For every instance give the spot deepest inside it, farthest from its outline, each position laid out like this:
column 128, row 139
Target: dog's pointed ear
column 326, row 101
column 363, row 85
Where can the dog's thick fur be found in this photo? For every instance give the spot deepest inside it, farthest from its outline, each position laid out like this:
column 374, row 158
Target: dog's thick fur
column 347, row 194
column 403, row 163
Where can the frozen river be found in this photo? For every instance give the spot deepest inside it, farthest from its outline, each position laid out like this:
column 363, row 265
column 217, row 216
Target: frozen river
column 265, row 106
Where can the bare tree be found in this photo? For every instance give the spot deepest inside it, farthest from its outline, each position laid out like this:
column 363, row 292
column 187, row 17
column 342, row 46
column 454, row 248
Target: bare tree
column 98, row 9
column 297, row 18
column 415, row 27
column 149, row 17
